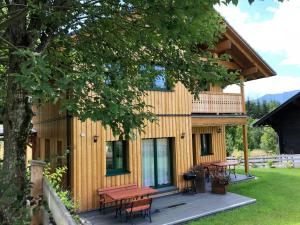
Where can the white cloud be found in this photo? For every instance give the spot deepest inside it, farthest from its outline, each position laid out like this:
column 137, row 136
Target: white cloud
column 278, row 35
column 272, row 85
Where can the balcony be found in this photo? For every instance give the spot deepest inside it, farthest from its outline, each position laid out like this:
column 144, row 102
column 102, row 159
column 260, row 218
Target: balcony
column 218, row 103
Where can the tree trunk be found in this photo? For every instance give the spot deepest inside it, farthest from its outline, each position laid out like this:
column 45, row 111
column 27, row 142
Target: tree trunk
column 17, row 117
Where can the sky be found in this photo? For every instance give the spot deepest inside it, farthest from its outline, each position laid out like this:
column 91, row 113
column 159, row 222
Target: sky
column 272, row 28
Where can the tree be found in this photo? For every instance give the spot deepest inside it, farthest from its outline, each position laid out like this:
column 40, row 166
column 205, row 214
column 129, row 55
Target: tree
column 96, row 58
column 269, row 140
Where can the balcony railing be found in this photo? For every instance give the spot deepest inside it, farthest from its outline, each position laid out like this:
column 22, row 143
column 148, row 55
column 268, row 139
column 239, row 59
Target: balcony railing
column 218, row 103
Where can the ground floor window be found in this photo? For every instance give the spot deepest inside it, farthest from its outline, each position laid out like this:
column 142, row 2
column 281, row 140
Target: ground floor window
column 116, row 157
column 206, row 144
column 157, row 162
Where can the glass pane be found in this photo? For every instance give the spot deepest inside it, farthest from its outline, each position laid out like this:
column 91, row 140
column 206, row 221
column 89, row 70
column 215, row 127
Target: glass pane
column 109, row 155
column 118, row 155
column 148, row 162
column 163, row 162
column 160, row 81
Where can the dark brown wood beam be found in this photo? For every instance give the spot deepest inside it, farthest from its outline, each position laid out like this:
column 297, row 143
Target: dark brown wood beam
column 249, row 71
column 229, row 65
column 223, row 46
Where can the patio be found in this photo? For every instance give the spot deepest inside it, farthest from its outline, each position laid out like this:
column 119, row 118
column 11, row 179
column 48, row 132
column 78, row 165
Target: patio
column 178, row 208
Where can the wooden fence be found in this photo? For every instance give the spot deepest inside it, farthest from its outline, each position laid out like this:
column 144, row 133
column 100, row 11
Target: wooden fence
column 265, row 159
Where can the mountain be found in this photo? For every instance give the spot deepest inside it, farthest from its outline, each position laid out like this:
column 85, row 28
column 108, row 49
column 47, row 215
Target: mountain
column 280, row 97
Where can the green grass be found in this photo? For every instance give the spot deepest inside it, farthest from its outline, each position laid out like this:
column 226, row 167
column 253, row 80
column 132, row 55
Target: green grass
column 277, row 192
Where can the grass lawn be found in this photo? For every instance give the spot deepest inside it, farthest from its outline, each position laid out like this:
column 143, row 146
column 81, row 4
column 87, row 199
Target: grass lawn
column 277, row 192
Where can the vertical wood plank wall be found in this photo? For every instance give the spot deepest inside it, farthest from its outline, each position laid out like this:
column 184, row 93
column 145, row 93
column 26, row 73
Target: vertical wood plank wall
column 89, row 159
column 218, row 143
column 50, row 124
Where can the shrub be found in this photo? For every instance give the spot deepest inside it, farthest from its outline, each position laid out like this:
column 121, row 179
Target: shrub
column 55, row 180
column 289, row 164
column 270, row 163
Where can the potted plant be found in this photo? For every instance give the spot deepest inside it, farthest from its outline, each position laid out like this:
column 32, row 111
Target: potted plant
column 219, row 182
column 200, row 178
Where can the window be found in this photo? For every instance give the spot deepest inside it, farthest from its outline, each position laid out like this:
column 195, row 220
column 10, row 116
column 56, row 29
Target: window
column 47, row 150
column 116, row 157
column 206, row 144
column 160, row 82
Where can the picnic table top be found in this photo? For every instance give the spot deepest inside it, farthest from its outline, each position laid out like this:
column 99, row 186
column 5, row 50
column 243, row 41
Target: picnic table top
column 131, row 193
column 225, row 164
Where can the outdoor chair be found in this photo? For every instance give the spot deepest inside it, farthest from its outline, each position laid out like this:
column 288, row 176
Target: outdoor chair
column 142, row 206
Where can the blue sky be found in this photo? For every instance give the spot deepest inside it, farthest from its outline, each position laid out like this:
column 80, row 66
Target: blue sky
column 272, row 29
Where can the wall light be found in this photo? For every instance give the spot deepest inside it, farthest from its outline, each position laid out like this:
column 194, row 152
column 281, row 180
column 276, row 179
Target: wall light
column 95, row 138
column 182, row 135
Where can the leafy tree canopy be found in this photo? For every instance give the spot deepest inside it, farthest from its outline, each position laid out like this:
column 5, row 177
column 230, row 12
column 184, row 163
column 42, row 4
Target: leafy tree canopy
column 97, row 57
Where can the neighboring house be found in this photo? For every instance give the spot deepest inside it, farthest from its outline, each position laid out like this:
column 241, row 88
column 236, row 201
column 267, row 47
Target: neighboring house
column 285, row 120
column 189, row 131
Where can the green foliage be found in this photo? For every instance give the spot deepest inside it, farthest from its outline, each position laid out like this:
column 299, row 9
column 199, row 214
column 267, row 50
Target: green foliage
column 258, row 138
column 269, row 140
column 55, row 179
column 289, row 164
column 96, row 57
column 270, row 163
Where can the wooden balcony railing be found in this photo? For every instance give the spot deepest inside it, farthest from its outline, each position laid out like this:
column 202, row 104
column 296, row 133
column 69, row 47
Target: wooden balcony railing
column 218, row 103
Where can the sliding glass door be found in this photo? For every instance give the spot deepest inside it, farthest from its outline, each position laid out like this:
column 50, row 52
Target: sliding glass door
column 157, row 162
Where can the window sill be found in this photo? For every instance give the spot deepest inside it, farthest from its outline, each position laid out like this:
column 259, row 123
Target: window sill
column 116, row 173
column 207, row 155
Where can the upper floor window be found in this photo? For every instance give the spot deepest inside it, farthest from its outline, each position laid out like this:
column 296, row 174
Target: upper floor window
column 116, row 157
column 160, row 82
column 206, row 144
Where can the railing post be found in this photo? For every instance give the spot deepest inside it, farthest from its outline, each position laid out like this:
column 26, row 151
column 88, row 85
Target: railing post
column 36, row 170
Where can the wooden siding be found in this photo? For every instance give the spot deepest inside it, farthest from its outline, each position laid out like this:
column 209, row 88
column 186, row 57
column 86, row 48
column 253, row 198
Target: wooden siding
column 218, row 143
column 89, row 159
column 176, row 101
column 50, row 124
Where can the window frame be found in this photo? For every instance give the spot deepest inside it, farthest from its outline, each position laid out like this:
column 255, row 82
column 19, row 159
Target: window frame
column 209, row 150
column 125, row 159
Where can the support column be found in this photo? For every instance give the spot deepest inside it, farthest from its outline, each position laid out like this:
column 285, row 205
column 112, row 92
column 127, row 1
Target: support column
column 245, row 142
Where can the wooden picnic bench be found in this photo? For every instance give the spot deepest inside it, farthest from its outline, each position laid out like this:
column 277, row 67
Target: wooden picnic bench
column 122, row 196
column 105, row 200
column 227, row 166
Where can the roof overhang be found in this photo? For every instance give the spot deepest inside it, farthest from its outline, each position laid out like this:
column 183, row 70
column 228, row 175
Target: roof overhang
column 243, row 56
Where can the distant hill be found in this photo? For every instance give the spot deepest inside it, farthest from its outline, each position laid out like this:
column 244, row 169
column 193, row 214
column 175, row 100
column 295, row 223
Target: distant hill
column 280, row 97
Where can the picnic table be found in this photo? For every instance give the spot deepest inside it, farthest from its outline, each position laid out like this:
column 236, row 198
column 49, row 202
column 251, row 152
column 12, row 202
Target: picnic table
column 132, row 193
column 230, row 166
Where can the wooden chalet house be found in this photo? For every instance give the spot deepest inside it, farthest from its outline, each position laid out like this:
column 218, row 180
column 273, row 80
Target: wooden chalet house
column 188, row 132
column 285, row 121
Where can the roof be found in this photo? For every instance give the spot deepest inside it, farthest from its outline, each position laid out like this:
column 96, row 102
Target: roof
column 266, row 119
column 252, row 65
